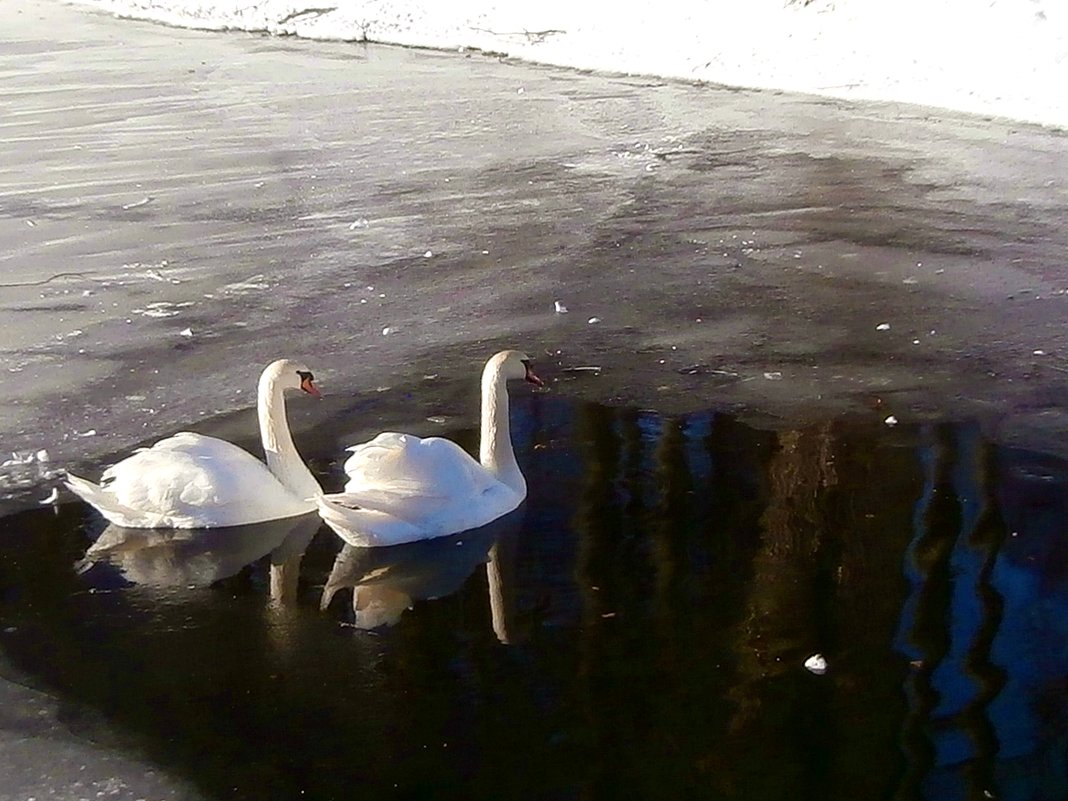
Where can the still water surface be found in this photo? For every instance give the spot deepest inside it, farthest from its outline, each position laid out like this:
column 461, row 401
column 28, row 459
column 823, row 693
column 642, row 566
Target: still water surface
column 638, row 629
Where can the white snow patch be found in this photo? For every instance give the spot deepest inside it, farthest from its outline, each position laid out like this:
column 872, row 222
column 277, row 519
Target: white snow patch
column 1002, row 57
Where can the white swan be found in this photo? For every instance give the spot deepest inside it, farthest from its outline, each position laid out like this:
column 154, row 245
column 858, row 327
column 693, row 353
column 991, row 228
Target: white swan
column 402, row 488
column 193, row 481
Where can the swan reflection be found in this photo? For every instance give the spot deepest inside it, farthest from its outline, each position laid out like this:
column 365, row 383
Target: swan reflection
column 388, row 581
column 166, row 558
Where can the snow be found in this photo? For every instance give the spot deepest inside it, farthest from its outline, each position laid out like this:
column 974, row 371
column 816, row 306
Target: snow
column 1004, row 58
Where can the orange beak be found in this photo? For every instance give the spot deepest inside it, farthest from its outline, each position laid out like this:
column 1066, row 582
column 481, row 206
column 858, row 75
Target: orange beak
column 309, row 386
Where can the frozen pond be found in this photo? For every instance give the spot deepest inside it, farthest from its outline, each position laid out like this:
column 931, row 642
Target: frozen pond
column 639, row 628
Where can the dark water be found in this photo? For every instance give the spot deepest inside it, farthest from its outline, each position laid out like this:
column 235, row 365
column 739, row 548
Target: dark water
column 638, row 629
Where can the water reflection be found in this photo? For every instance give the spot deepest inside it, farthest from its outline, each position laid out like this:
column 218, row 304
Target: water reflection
column 988, row 648
column 169, row 558
column 658, row 593
column 386, row 582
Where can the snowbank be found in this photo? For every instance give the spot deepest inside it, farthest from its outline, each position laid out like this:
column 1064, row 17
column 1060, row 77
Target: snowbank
column 1000, row 57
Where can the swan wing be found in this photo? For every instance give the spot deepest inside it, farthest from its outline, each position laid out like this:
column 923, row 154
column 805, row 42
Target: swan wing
column 374, row 518
column 400, row 465
column 191, row 481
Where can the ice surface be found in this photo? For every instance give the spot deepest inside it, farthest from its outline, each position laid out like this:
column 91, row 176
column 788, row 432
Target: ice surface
column 773, row 236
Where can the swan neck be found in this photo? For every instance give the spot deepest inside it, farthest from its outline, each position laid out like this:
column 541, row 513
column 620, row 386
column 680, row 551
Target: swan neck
column 283, row 459
column 496, row 453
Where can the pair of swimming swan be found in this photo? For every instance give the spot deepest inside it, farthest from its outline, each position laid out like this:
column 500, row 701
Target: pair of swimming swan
column 400, row 488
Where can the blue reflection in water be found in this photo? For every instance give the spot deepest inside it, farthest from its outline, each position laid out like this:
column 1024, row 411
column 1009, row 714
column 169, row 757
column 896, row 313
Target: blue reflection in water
column 984, row 625
column 1031, row 712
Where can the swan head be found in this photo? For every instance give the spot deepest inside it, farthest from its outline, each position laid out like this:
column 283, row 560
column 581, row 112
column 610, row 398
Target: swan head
column 514, row 364
column 290, row 374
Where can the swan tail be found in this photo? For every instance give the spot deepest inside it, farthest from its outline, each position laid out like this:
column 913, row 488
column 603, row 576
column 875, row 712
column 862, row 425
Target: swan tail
column 100, row 499
column 364, row 528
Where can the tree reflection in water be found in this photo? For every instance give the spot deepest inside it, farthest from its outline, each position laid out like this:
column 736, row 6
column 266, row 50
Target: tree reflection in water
column 638, row 631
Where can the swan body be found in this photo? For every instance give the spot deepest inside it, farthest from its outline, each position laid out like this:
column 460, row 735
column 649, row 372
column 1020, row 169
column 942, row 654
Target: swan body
column 402, row 488
column 194, row 481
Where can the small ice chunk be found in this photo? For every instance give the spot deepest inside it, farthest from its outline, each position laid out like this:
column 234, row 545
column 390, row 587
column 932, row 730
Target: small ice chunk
column 428, row 255
column 593, row 320
column 42, row 455
column 891, row 421
column 559, row 307
column 137, row 204
column 360, row 223
column 1038, row 353
column 774, row 376
column 387, row 331
column 18, row 459
column 816, row 664
column 882, row 327
column 90, row 433
column 186, row 332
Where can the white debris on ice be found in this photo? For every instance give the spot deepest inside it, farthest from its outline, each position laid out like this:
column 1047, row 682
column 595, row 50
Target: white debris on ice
column 816, row 664
column 137, row 204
